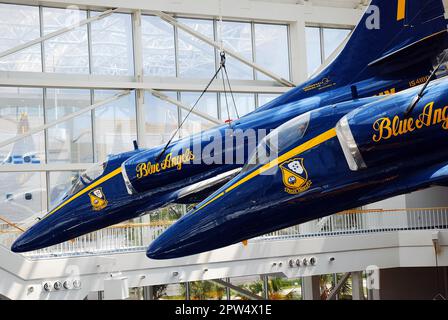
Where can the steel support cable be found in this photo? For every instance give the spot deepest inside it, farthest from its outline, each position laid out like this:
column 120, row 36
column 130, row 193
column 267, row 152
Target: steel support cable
column 222, row 66
column 188, row 114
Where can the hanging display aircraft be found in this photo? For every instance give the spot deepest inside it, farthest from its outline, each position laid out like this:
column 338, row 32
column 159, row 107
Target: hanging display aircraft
column 342, row 158
column 393, row 48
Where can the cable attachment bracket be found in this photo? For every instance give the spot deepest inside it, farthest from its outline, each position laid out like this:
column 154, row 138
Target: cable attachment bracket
column 222, row 63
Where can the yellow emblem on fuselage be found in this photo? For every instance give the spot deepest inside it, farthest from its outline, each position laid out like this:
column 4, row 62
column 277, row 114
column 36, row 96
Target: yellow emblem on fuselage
column 295, row 176
column 98, row 199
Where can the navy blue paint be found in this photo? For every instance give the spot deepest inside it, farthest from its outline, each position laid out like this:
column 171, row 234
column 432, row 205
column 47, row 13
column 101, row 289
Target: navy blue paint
column 416, row 160
column 350, row 68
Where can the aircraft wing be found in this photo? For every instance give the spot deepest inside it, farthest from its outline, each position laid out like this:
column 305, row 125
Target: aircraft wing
column 438, row 175
column 199, row 191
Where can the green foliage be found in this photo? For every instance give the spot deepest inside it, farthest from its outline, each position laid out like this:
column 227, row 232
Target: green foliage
column 220, row 291
column 159, row 291
column 200, row 290
column 327, row 285
column 275, row 285
column 255, row 287
column 168, row 213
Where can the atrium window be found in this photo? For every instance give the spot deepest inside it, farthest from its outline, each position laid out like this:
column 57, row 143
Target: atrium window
column 69, row 141
column 333, row 39
column 161, row 119
column 112, row 51
column 321, row 43
column 158, row 47
column 208, row 105
column 264, row 98
column 313, row 49
column 60, row 182
column 245, row 103
column 26, row 195
column 21, row 110
column 115, row 124
column 196, row 58
column 18, row 25
column 237, row 36
column 66, row 53
column 271, row 49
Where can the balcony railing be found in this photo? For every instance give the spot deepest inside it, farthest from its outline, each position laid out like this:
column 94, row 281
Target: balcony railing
column 137, row 236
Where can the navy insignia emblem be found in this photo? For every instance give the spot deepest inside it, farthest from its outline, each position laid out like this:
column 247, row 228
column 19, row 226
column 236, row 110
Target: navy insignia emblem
column 97, row 199
column 295, row 176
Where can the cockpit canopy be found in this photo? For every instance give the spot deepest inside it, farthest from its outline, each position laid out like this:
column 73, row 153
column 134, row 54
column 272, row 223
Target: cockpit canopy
column 278, row 141
column 93, row 172
column 86, row 178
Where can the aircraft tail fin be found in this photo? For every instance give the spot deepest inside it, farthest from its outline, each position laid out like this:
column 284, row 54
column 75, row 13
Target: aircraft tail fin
column 395, row 40
column 391, row 36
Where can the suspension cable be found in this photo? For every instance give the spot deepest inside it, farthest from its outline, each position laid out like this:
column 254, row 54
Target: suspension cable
column 443, row 56
column 223, row 65
column 189, row 112
column 231, row 92
column 221, row 44
column 223, row 61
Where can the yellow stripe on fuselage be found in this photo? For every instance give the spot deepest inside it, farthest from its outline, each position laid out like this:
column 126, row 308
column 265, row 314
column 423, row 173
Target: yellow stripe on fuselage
column 86, row 189
column 401, row 10
column 297, row 150
column 208, row 202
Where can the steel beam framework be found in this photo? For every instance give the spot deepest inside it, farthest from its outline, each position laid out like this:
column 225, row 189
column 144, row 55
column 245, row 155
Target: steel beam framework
column 184, row 27
column 296, row 16
column 338, row 286
column 78, row 81
column 183, row 106
column 241, row 291
column 63, row 119
column 57, row 33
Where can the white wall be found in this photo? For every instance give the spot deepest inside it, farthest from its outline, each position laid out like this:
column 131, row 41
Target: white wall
column 429, row 198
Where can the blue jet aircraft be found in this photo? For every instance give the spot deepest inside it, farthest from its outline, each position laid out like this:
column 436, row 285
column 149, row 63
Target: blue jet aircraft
column 393, row 48
column 330, row 159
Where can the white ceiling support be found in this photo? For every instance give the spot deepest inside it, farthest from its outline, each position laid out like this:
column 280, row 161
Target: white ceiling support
column 297, row 51
column 85, row 81
column 187, row 108
column 217, row 45
column 44, row 167
column 138, row 71
column 56, row 33
column 330, row 12
column 356, row 252
column 63, row 119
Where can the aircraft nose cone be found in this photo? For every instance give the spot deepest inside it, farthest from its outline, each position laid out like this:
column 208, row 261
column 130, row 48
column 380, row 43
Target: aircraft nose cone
column 40, row 235
column 157, row 249
column 52, row 230
column 45, row 233
column 19, row 245
column 28, row 241
column 196, row 232
column 167, row 245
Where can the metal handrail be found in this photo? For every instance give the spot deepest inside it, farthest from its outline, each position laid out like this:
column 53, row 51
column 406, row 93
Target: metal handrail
column 137, row 236
column 143, row 224
column 390, row 210
column 11, row 224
